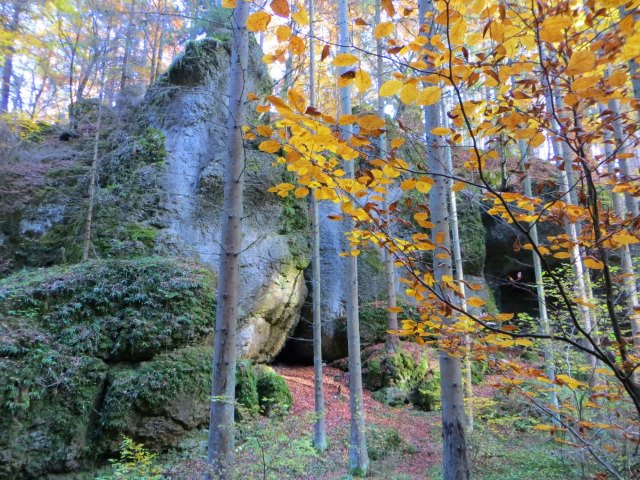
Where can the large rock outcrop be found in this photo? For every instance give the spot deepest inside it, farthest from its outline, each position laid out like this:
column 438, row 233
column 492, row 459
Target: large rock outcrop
column 189, row 105
column 160, row 184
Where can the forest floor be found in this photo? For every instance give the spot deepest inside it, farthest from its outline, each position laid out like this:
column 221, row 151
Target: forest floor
column 403, row 443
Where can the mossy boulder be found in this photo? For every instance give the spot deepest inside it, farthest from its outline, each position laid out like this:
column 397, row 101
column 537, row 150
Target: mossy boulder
column 97, row 350
column 246, row 389
column 405, row 377
column 273, row 392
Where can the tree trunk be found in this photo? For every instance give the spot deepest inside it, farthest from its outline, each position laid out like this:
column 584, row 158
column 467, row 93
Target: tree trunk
column 124, row 78
column 620, row 209
column 7, row 68
column 580, row 288
column 358, row 455
column 161, row 42
column 392, row 341
column 454, row 449
column 459, row 271
column 320, row 425
column 221, row 443
column 543, row 321
column 86, row 245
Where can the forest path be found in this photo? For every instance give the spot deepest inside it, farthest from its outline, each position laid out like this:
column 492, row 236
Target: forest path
column 419, row 430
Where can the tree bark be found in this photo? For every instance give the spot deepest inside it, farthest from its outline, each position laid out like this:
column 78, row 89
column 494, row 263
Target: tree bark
column 358, row 455
column 320, row 426
column 124, row 78
column 620, row 208
column 454, row 449
column 86, row 244
column 392, row 341
column 543, row 319
column 221, row 443
column 7, row 68
column 459, row 271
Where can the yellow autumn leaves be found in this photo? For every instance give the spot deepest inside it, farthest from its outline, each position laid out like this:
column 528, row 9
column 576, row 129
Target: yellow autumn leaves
column 410, row 93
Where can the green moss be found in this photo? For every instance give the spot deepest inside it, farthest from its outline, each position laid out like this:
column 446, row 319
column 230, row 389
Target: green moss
column 402, row 377
column 200, row 61
column 115, row 309
column 472, row 236
column 155, row 387
column 246, row 389
column 273, row 392
column 374, row 320
column 384, row 441
column 426, row 396
column 143, row 233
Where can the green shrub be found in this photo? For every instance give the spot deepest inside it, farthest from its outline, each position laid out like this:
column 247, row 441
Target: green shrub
column 478, row 371
column 135, row 463
column 383, row 441
column 246, row 389
column 273, row 392
column 426, row 396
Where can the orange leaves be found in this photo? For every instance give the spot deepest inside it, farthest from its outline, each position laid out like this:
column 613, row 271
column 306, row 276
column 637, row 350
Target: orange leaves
column 429, row 96
column 387, row 6
column 297, row 100
column 582, row 61
column 344, row 60
column 258, row 21
column 280, row 8
column 594, row 263
column 441, row 131
column 283, row 33
column 229, row 3
column 296, row 45
column 362, row 81
column 383, row 30
column 390, row 87
column 270, row 146
column 553, row 28
column 301, row 17
column 371, row 122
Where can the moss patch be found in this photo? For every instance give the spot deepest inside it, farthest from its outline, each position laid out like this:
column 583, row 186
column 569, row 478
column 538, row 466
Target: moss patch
column 273, row 392
column 402, row 378
column 96, row 350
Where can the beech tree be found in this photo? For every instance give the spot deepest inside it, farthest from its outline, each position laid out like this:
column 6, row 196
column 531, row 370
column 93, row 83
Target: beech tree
column 320, row 426
column 221, row 444
column 358, row 455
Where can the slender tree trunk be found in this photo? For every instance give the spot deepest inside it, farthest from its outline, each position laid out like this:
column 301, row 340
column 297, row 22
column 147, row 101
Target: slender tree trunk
column 620, row 209
column 86, row 244
column 72, row 113
column 570, row 227
column 459, row 271
column 392, row 342
column 454, row 449
column 221, row 443
column 161, row 42
column 154, row 51
column 7, row 68
column 543, row 321
column 358, row 455
column 320, row 425
column 128, row 42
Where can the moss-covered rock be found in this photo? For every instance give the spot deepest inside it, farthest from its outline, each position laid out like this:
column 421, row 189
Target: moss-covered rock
column 273, row 392
column 403, row 377
column 246, row 389
column 93, row 351
column 117, row 309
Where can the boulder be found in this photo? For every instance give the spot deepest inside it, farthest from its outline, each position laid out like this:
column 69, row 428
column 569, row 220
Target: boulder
column 189, row 106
